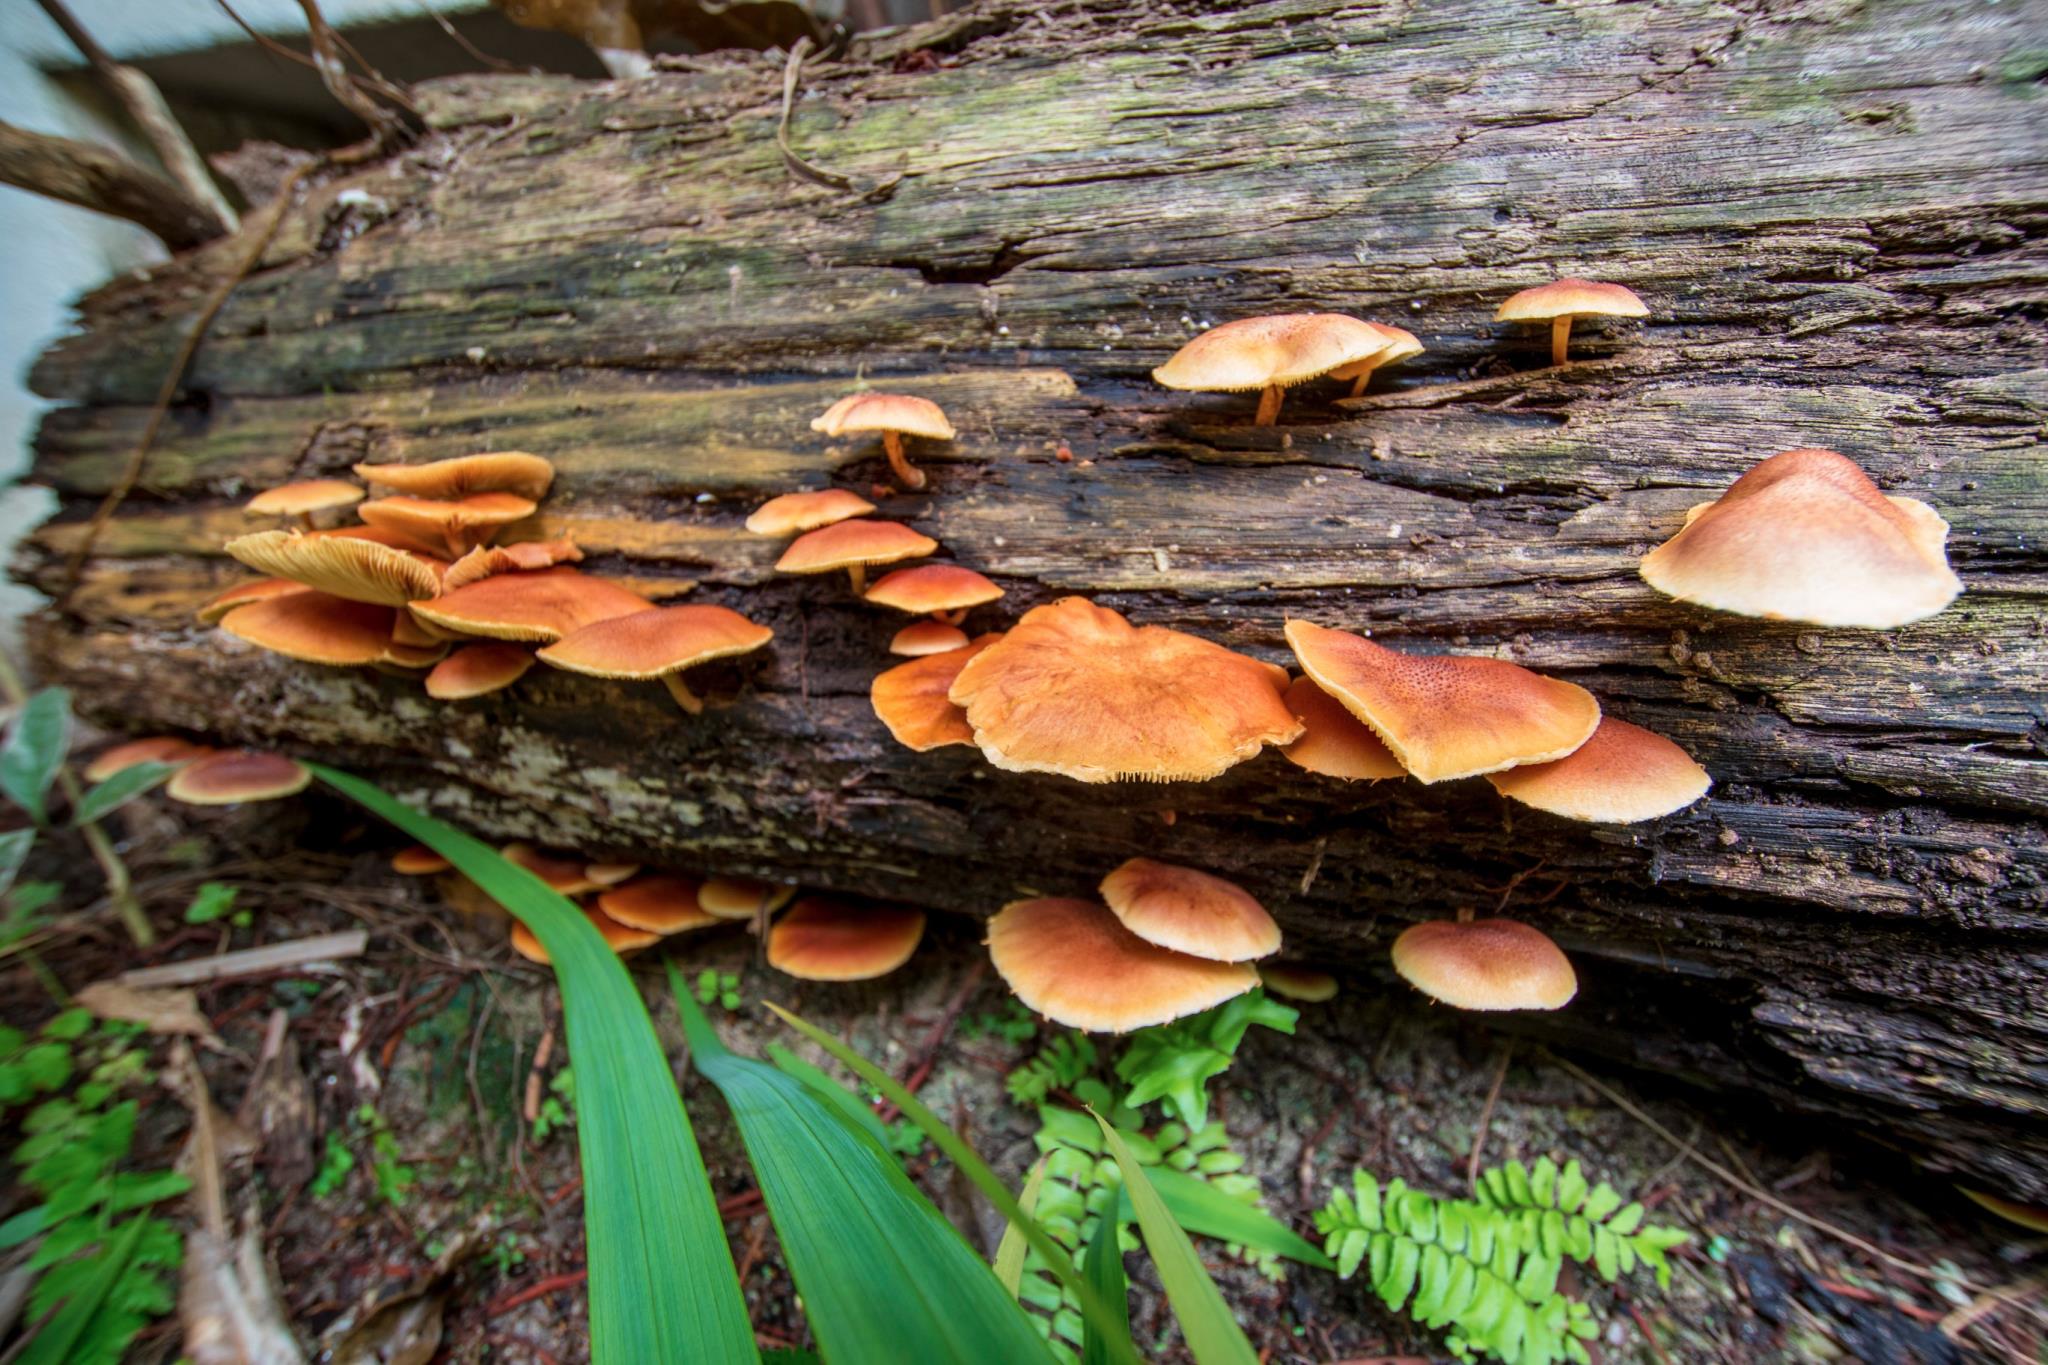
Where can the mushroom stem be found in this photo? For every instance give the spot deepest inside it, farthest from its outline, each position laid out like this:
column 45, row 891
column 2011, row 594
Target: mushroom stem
column 1560, row 337
column 1466, row 914
column 1359, row 382
column 907, row 474
column 680, row 690
column 1269, row 406
column 951, row 618
column 303, row 520
column 857, row 574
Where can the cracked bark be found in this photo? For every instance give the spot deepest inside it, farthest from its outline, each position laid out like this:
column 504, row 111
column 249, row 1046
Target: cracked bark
column 1838, row 220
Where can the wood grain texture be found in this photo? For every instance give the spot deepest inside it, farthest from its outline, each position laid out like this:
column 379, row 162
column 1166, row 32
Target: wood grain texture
column 1837, row 212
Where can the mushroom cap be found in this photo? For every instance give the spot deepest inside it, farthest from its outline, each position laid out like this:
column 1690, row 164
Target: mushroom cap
column 1297, row 982
column 821, row 940
column 661, row 902
column 1571, row 297
column 911, row 698
column 1334, row 742
column 242, row 594
column 430, row 550
column 307, row 495
column 620, row 938
column 933, row 587
column 920, row 639
column 1257, row 353
column 648, row 644
column 527, row 555
column 565, row 875
column 478, row 671
column 794, row 512
column 545, row 604
column 1447, row 715
column 1486, row 964
column 235, row 775
column 612, row 874
column 345, row 566
column 1076, row 689
column 884, row 412
column 740, row 897
column 1806, row 536
column 418, row 861
column 1401, row 344
column 155, row 749
column 1073, row 962
column 847, row 543
column 315, row 628
column 1190, row 911
column 506, row 471
column 1624, row 773
column 477, row 517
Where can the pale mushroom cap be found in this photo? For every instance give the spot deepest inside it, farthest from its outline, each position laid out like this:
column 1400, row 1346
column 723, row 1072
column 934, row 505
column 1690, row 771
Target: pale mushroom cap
column 1446, row 715
column 933, row 587
column 236, row 775
column 315, row 628
column 1488, row 964
column 543, row 605
column 155, row 749
column 242, row 594
column 1073, row 962
column 1190, row 911
column 476, row 517
column 662, row 903
column 508, row 471
column 738, row 897
column 1624, row 773
column 884, row 412
column 478, row 670
column 648, row 644
column 418, row 861
column 911, row 699
column 1400, row 345
column 1297, row 983
column 821, row 940
column 847, row 543
column 1806, row 536
column 344, row 566
column 794, row 512
column 1257, row 353
column 565, row 875
column 526, row 556
column 305, row 496
column 1076, row 689
column 1571, row 297
column 612, row 874
column 920, row 639
column 1334, row 742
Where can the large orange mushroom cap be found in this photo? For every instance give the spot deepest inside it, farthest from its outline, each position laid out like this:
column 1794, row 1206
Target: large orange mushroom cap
column 344, row 566
column 932, row 588
column 1445, row 715
column 1076, row 689
column 661, row 902
column 911, row 699
column 821, row 940
column 658, row 644
column 853, row 546
column 1270, row 354
column 1334, row 742
column 315, row 628
column 902, row 412
column 1624, row 773
column 155, row 749
column 795, row 512
column 242, row 594
column 1190, row 911
column 237, row 775
column 1073, row 962
column 461, row 524
column 1488, row 964
column 543, row 605
column 478, row 670
column 303, row 498
column 506, row 471
column 741, row 897
column 1806, row 536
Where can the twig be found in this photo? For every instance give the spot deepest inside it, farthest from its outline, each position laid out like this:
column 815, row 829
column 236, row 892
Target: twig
column 92, row 177
column 800, row 168
column 460, row 40
column 1990, row 1301
column 1486, row 1115
column 568, row 1279
column 384, row 126
column 1643, row 1326
column 272, row 957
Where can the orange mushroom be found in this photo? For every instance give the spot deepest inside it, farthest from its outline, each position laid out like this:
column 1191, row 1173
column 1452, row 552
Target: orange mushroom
column 1074, row 963
column 315, row 627
column 922, row 638
column 236, row 775
column 895, row 415
column 1270, row 354
column 461, row 524
column 911, row 699
column 853, row 546
column 418, row 861
column 242, row 594
column 1401, row 344
column 946, row 591
column 486, row 560
column 156, row 749
column 742, row 897
column 795, row 512
column 662, row 903
column 478, row 670
column 1190, row 911
column 620, row 938
column 1488, row 964
column 821, row 940
column 544, row 605
column 1623, row 774
column 506, row 471
column 1561, row 301
column 568, row 876
column 344, row 566
column 1296, row 982
column 299, row 501
column 658, row 644
column 1334, row 742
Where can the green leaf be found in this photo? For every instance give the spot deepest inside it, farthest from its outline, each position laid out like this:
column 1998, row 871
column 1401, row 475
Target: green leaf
column 46, row 1065
column 118, row 790
column 69, row 1025
column 1105, row 1271
column 1010, row 1251
column 829, row 1090
column 33, row 750
column 882, row 1275
column 56, row 1343
column 1202, row 1208
column 662, row 1284
column 1212, row 1333
column 210, row 902
column 22, row 1226
column 1571, row 1187
column 14, row 847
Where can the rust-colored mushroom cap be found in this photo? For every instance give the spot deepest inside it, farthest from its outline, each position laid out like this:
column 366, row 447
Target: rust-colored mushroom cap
column 543, row 605
column 486, row 560
column 884, row 412
column 344, row 566
column 741, row 897
column 418, row 861
column 1487, row 964
column 1806, row 536
column 242, row 594
column 236, row 775
column 155, row 749
column 1624, row 773
column 1400, row 345
column 662, row 903
column 565, row 875
column 649, row 644
column 1297, row 982
column 303, row 498
column 1571, row 297
column 794, row 512
column 853, row 544
column 1444, row 715
column 933, row 588
column 922, row 638
column 911, row 699
column 1071, row 961
column 612, row 874
column 1334, row 742
column 477, row 671
column 1190, row 911
column 461, row 524
column 821, row 940
column 315, row 628
column 1269, row 352
column 1076, row 689
column 507, row 471
column 620, row 938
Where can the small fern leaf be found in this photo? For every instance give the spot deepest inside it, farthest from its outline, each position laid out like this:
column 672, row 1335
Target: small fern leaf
column 1571, row 1187
column 1543, row 1182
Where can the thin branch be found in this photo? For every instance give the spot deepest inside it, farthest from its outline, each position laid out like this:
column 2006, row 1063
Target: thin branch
column 94, row 178
column 798, row 167
column 461, row 40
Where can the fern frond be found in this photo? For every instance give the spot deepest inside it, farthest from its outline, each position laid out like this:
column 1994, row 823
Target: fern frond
column 1059, row 1065
column 1174, row 1063
column 1558, row 1211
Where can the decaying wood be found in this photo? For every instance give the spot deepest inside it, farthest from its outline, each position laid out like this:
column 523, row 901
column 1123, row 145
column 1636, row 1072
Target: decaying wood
column 1836, row 212
column 94, row 178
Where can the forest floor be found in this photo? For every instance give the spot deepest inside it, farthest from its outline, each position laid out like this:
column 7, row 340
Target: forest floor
column 447, row 1227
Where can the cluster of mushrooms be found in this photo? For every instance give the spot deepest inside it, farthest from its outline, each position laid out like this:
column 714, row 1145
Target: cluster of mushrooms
column 1075, row 689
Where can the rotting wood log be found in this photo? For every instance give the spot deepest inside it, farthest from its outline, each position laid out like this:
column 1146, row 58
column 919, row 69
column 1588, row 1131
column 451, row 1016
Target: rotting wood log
column 92, row 177
column 1837, row 213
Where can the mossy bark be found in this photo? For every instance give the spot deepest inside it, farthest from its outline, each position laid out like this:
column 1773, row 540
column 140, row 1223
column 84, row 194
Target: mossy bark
column 1835, row 212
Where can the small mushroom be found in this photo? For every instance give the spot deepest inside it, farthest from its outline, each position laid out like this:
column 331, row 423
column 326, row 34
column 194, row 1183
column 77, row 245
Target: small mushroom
column 793, row 513
column 478, row 670
column 1559, row 302
column 359, row 569
column 821, row 940
column 1074, row 963
column 1190, row 911
column 1401, row 345
column 156, row 749
column 461, row 524
column 658, row 644
column 1488, row 964
column 486, row 560
column 315, row 628
column 1270, row 354
column 911, row 699
column 418, row 861
column 1334, row 742
column 662, row 903
column 1621, row 775
column 1297, row 982
column 299, row 501
column 613, row 874
column 566, row 876
column 946, row 591
column 543, row 605
column 242, row 594
column 738, row 898
column 853, row 546
column 922, row 638
column 236, row 775
column 895, row 415
column 506, row 471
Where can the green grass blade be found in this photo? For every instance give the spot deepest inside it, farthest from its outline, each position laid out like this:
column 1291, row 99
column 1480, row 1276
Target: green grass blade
column 34, row 746
column 883, row 1276
column 662, row 1284
column 1212, row 1334
column 975, row 1169
column 14, row 847
column 1010, row 1251
column 53, row 1345
column 118, row 790
column 830, row 1091
column 1201, row 1208
column 1105, row 1272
